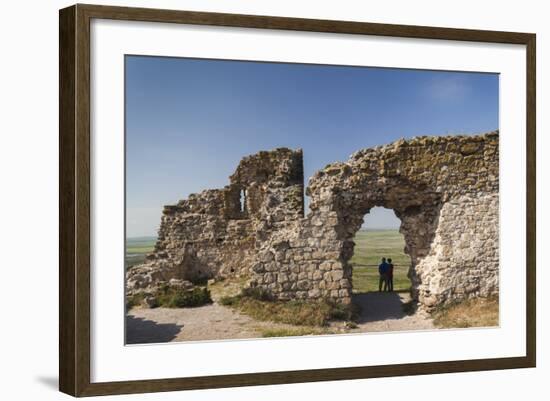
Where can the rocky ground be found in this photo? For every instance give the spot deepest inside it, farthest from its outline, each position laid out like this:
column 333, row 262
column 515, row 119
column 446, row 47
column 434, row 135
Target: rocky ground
column 380, row 312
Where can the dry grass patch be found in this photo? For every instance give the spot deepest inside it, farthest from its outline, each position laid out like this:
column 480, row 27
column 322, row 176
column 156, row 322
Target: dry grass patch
column 134, row 300
column 257, row 304
column 479, row 312
column 228, row 287
column 172, row 298
column 295, row 332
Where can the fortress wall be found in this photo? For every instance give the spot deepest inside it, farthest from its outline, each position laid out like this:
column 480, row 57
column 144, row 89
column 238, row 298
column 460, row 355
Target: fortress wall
column 444, row 190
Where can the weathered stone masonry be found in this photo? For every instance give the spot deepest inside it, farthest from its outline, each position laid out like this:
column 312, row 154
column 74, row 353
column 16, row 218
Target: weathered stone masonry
column 215, row 233
column 444, row 190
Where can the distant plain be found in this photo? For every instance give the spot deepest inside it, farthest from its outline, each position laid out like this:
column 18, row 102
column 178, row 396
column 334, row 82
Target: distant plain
column 370, row 247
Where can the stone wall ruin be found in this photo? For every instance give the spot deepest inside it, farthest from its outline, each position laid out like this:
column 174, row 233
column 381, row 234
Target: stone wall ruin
column 214, row 234
column 443, row 189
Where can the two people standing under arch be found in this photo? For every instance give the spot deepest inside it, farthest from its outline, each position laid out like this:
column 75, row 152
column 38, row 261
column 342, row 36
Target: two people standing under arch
column 385, row 269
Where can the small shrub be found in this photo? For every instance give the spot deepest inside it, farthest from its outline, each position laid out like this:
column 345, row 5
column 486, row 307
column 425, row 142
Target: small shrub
column 172, row 298
column 134, row 300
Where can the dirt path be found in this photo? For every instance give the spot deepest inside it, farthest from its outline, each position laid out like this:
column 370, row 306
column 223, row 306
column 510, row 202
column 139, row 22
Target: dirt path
column 212, row 322
column 380, row 312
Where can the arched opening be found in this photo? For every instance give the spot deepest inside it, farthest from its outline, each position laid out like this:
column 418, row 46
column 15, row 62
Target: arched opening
column 380, row 296
column 411, row 212
column 242, row 200
column 378, row 238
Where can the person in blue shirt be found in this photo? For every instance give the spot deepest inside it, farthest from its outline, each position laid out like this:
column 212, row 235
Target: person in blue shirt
column 390, row 275
column 383, row 271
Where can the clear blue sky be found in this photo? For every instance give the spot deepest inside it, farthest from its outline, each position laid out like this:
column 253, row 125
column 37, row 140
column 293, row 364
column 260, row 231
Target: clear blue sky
column 189, row 122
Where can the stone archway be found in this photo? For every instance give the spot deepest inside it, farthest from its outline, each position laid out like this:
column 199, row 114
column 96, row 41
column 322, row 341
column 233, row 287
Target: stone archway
column 416, row 206
column 444, row 190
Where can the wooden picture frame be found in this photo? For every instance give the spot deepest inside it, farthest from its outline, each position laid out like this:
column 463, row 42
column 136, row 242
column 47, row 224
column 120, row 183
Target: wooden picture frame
column 74, row 199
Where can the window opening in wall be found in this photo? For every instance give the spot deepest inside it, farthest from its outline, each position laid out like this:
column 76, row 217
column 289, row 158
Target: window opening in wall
column 242, row 200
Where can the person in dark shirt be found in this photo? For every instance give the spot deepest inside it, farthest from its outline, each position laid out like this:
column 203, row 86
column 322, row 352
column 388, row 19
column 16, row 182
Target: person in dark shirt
column 383, row 271
column 390, row 275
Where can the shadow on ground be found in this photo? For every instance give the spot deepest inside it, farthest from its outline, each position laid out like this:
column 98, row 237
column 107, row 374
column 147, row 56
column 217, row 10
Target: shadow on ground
column 51, row 382
column 379, row 306
column 142, row 331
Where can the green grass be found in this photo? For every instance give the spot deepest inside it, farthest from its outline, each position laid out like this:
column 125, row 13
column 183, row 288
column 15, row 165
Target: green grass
column 370, row 247
column 172, row 298
column 137, row 249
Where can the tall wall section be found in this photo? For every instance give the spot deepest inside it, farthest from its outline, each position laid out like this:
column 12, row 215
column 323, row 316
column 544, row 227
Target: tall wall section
column 444, row 190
